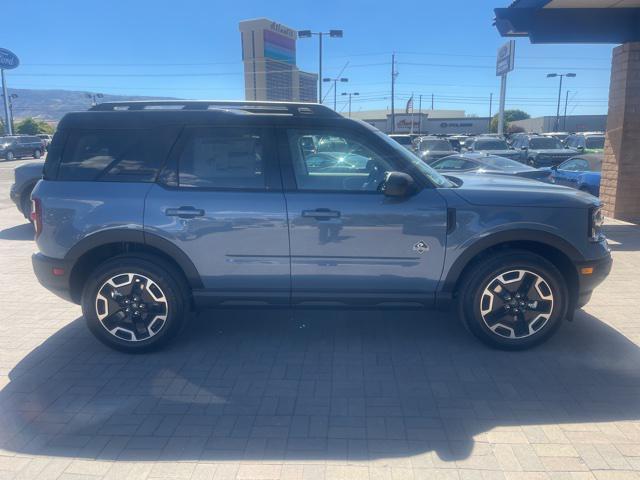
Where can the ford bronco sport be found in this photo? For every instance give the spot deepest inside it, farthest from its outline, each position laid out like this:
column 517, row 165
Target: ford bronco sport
column 148, row 210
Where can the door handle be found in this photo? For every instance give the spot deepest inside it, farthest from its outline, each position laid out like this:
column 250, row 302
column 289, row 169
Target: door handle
column 184, row 212
column 321, row 213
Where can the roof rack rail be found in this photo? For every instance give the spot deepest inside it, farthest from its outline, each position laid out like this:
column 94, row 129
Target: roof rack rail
column 282, row 108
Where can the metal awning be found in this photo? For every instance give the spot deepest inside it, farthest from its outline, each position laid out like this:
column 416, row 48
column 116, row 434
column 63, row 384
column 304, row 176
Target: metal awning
column 571, row 21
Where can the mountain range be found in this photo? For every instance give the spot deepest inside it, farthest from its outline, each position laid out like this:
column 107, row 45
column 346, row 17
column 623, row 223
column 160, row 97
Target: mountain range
column 51, row 105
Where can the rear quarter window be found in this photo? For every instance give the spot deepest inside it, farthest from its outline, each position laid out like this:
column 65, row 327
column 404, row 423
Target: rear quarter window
column 114, row 155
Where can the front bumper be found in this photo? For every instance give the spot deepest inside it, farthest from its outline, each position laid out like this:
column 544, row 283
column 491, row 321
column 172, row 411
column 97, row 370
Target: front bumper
column 587, row 282
column 57, row 283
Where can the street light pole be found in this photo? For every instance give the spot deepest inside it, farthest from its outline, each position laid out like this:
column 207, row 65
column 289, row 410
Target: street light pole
column 335, row 88
column 553, row 75
column 308, row 34
column 564, row 121
column 350, row 93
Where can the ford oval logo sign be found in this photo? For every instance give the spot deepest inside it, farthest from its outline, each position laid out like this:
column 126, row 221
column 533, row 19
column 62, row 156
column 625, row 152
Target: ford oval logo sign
column 8, row 59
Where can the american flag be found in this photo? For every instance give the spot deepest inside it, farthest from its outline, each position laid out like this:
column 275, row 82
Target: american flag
column 409, row 105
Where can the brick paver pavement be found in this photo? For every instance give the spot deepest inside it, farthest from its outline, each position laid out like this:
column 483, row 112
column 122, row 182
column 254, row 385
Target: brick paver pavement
column 316, row 394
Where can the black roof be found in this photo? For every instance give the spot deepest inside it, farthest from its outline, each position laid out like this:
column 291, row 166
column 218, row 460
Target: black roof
column 146, row 114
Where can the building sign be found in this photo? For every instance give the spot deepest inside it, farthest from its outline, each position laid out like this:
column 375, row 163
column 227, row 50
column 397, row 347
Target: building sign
column 280, row 43
column 506, row 58
column 8, row 59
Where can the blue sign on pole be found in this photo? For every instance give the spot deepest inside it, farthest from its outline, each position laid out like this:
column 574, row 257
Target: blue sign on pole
column 8, row 59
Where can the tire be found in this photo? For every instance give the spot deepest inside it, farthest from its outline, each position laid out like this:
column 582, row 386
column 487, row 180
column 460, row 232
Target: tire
column 37, row 154
column 163, row 292
column 498, row 279
column 9, row 156
column 531, row 162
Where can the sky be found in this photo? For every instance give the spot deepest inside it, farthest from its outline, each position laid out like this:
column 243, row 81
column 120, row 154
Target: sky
column 191, row 49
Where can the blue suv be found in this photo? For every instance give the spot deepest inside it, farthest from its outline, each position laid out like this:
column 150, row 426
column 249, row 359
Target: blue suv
column 148, row 210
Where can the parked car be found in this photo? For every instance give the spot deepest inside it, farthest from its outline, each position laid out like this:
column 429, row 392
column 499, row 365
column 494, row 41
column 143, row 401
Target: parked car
column 432, row 148
column 25, row 178
column 405, row 140
column 46, row 138
column 493, row 146
column 18, row 146
column 145, row 212
column 539, row 151
column 581, row 172
column 487, row 164
column 586, row 142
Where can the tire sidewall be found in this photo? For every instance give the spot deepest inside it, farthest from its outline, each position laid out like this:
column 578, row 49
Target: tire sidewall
column 486, row 271
column 9, row 156
column 37, row 154
column 159, row 273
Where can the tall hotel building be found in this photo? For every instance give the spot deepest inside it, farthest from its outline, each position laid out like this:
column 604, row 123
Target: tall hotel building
column 269, row 57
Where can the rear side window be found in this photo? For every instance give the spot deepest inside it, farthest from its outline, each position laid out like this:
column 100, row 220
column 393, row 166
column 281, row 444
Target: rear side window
column 223, row 157
column 111, row 155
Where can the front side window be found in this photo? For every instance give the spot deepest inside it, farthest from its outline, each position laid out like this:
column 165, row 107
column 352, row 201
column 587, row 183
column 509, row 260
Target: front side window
column 575, row 165
column 222, row 157
column 595, row 142
column 340, row 163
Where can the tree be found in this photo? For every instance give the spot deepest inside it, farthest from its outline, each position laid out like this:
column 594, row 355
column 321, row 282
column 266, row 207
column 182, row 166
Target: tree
column 32, row 126
column 509, row 116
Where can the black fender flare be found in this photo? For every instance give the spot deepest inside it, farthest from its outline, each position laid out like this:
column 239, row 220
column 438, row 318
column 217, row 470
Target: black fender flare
column 507, row 236
column 126, row 235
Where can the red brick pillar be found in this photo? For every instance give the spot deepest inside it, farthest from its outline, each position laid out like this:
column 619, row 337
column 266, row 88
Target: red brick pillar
column 620, row 185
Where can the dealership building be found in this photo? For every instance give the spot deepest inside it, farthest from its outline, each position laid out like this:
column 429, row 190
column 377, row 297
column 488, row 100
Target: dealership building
column 427, row 122
column 269, row 57
column 570, row 123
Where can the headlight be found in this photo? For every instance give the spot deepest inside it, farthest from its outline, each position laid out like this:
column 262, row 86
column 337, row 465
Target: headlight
column 596, row 219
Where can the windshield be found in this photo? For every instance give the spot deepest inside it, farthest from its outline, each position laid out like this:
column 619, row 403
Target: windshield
column 595, row 142
column 437, row 145
column 402, row 140
column 504, row 163
column 437, row 179
column 490, row 145
column 545, row 142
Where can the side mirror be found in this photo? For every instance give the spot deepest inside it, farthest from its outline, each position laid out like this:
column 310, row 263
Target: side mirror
column 398, row 184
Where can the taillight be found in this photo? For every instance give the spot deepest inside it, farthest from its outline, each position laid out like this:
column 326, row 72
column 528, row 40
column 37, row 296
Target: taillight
column 36, row 215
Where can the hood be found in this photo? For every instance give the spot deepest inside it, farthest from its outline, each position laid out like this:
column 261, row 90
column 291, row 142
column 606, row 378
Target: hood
column 553, row 151
column 501, row 190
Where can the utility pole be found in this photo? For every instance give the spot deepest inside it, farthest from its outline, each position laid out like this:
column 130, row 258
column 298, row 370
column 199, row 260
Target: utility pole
column 432, row 101
column 320, row 69
column 490, row 107
column 420, row 114
column 564, row 121
column 393, row 91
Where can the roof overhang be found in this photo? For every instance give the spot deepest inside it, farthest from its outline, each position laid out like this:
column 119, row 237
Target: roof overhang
column 571, row 21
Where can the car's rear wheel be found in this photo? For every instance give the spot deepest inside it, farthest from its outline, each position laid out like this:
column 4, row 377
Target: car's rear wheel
column 37, row 154
column 9, row 156
column 134, row 304
column 514, row 300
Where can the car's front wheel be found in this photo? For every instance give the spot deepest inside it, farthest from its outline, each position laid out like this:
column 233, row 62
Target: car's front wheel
column 134, row 304
column 37, row 154
column 9, row 156
column 513, row 300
